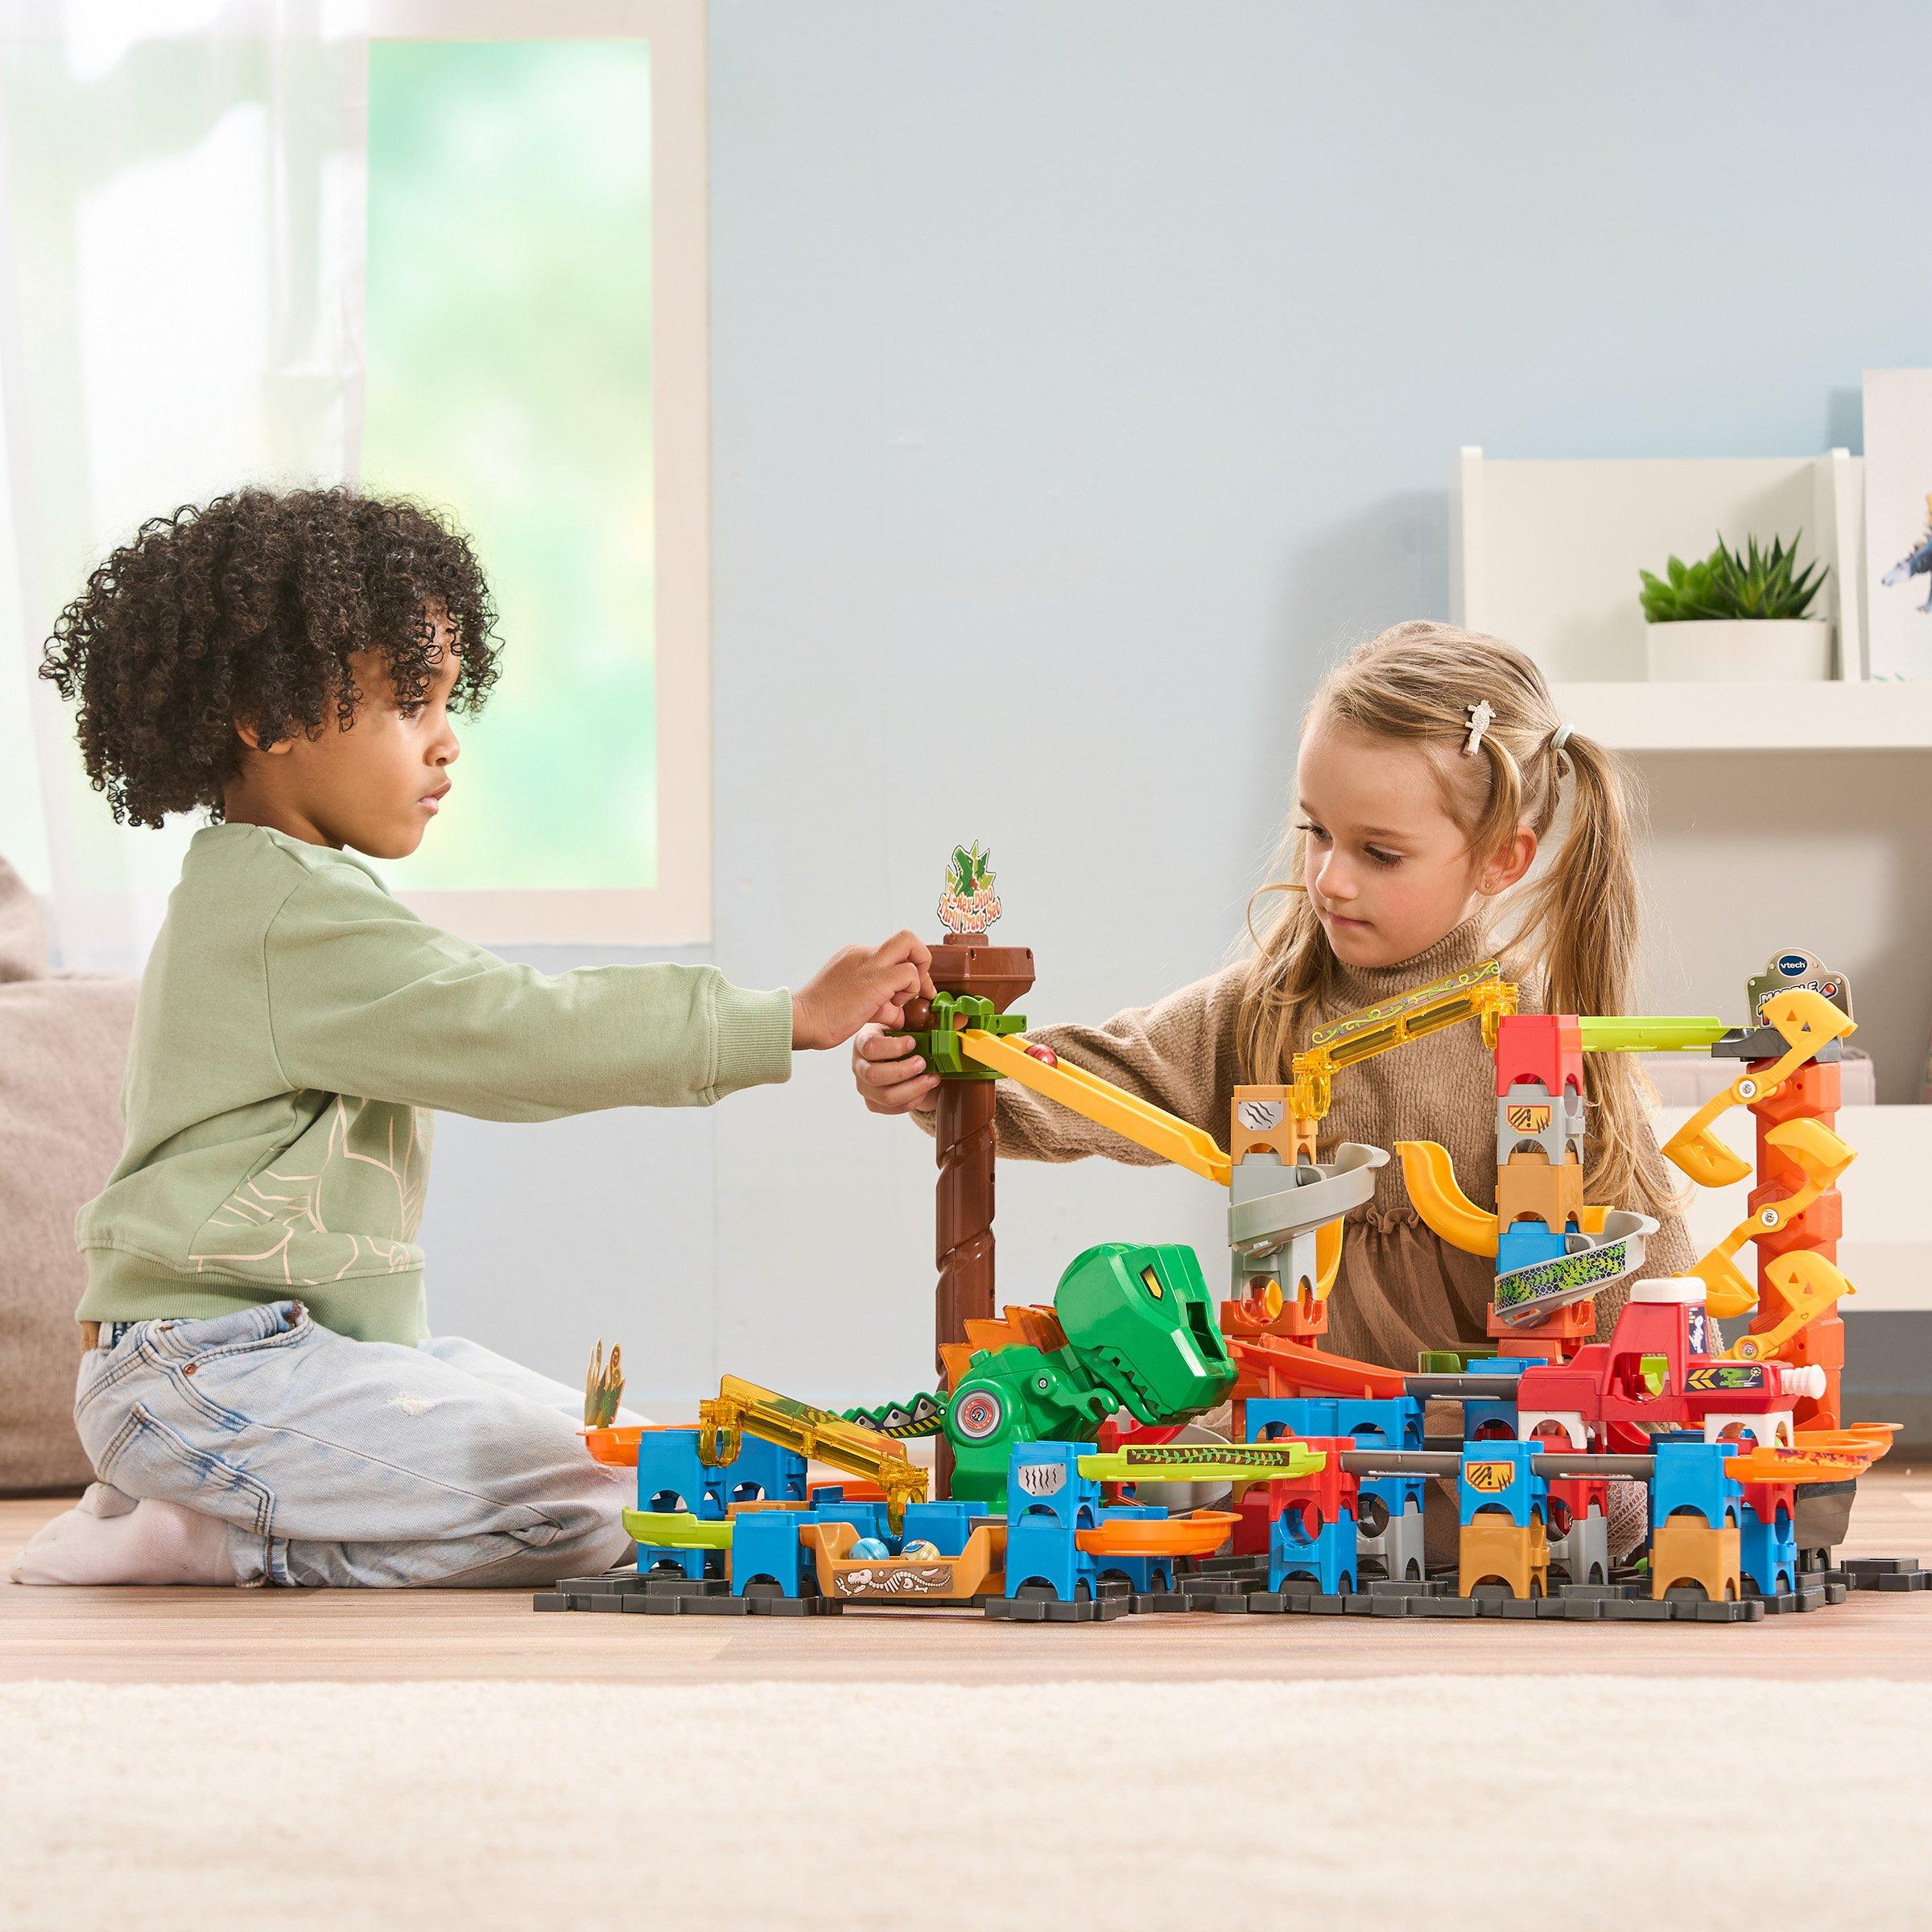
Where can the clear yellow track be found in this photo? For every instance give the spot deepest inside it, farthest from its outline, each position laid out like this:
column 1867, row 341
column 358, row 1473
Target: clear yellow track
column 1101, row 1102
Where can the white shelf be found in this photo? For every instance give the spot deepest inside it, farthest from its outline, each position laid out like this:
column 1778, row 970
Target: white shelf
column 1634, row 715
column 1887, row 1248
column 1547, row 553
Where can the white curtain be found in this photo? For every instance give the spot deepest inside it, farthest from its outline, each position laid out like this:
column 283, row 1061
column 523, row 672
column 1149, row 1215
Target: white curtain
column 181, row 193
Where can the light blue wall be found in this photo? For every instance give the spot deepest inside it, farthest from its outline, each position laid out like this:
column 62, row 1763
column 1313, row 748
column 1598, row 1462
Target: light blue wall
column 1082, row 375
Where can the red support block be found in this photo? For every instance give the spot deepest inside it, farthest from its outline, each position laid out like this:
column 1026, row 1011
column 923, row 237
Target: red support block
column 1560, row 1333
column 1325, row 1494
column 1544, row 1047
column 1573, row 1497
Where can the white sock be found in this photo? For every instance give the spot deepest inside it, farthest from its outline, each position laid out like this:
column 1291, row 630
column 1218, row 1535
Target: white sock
column 108, row 1538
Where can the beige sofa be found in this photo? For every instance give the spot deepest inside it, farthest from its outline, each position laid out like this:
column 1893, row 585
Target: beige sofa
column 63, row 1043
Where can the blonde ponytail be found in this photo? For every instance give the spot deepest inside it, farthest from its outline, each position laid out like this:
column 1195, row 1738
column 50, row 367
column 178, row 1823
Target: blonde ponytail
column 1576, row 940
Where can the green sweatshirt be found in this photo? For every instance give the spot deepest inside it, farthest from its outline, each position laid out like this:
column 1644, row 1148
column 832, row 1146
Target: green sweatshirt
column 295, row 1026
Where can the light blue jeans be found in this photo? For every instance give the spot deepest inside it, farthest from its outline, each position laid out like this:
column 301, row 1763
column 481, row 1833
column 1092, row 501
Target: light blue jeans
column 340, row 1462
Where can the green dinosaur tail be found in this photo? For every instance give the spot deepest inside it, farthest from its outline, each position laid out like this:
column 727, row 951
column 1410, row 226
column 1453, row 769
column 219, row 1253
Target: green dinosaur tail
column 920, row 1415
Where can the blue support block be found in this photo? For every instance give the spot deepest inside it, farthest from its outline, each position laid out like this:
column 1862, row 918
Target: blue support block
column 1268, row 1417
column 1689, row 1478
column 1499, row 1478
column 1767, row 1550
column 671, row 1477
column 1048, row 1501
column 830, row 1506
column 761, row 1472
column 765, row 1543
column 946, row 1526
column 1526, row 1243
column 1489, row 1421
column 1396, row 1424
column 1326, row 1555
column 695, row 1563
column 1509, row 1367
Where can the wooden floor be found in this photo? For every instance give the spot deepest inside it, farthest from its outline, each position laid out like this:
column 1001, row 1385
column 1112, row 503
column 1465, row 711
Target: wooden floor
column 190, row 1635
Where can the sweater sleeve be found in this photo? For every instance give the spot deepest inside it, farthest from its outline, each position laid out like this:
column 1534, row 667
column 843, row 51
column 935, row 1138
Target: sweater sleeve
column 1178, row 1053
column 365, row 998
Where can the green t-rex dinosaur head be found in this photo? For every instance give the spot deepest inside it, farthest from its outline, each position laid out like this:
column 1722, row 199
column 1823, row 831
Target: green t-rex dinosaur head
column 1140, row 1321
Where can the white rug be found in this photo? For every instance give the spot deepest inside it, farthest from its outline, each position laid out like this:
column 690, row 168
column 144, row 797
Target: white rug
column 1571, row 1803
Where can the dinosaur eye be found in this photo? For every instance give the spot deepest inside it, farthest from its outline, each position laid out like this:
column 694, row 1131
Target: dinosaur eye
column 1153, row 1283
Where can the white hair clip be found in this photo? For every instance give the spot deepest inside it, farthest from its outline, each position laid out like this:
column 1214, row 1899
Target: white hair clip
column 1559, row 737
column 1481, row 717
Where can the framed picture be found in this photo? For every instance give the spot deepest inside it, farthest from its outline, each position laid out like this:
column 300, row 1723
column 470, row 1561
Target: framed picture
column 1898, row 520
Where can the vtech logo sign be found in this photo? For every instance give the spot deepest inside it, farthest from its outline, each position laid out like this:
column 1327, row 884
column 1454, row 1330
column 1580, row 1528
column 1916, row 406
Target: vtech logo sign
column 1791, row 965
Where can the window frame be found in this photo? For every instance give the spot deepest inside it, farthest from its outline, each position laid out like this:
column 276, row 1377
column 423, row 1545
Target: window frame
column 677, row 910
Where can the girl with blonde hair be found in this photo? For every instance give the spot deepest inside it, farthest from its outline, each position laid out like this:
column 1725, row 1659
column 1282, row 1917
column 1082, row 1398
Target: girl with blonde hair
column 1434, row 771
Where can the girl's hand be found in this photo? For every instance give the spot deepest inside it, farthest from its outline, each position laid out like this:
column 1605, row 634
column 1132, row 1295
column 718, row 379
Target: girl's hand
column 890, row 1077
column 858, row 984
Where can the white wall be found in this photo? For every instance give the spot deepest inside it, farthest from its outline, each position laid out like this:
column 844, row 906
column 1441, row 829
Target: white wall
column 1082, row 376
column 1751, row 853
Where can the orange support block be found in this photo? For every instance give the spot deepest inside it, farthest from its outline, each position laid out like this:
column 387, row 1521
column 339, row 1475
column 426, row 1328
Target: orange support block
column 1686, row 1551
column 1299, row 1317
column 1494, row 1550
column 1528, row 1186
column 1260, row 1120
column 1560, row 1333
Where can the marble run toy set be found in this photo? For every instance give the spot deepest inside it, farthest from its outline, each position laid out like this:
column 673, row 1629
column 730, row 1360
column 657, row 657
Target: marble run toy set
column 1074, row 1483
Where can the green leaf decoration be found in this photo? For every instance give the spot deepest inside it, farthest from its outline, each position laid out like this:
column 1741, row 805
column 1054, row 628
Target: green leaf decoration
column 603, row 1387
column 969, row 872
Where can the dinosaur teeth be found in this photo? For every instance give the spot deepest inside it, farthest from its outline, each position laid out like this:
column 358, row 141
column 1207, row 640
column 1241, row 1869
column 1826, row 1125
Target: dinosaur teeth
column 1117, row 1363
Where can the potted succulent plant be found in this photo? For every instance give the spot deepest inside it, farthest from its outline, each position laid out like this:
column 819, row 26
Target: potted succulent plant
column 1734, row 617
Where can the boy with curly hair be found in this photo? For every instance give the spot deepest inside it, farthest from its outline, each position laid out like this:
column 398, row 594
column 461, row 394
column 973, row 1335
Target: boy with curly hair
column 258, row 1392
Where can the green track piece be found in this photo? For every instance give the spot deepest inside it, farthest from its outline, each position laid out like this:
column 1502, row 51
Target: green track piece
column 939, row 1046
column 1232, row 1463
column 1627, row 1033
column 677, row 1529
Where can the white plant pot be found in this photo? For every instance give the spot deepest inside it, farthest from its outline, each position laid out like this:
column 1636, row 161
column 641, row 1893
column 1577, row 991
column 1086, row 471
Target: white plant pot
column 1732, row 651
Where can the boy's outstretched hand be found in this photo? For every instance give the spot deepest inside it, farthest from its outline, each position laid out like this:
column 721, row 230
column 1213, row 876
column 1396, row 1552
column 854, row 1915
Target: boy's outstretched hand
column 858, row 984
column 891, row 1078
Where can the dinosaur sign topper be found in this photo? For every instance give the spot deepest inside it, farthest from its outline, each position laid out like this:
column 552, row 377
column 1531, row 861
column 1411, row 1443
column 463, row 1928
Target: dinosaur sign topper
column 968, row 904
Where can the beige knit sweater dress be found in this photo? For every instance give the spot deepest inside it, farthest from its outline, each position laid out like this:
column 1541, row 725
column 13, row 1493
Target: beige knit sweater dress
column 1401, row 1289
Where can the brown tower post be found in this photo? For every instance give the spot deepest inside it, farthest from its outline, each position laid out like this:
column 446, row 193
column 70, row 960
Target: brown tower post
column 963, row 1128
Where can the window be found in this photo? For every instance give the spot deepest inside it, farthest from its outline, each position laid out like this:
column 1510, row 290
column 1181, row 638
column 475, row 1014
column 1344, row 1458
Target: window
column 512, row 306
column 473, row 268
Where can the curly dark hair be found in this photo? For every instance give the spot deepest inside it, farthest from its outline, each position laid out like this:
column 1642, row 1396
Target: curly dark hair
column 247, row 608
